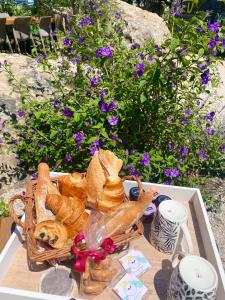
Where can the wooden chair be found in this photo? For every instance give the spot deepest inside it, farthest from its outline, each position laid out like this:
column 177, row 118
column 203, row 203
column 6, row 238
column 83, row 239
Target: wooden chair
column 45, row 30
column 60, row 23
column 4, row 39
column 22, row 32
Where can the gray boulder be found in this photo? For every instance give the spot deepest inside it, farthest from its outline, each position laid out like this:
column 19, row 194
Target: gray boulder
column 142, row 24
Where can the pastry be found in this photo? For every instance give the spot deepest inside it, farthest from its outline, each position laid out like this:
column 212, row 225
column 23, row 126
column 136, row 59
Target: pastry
column 70, row 211
column 103, row 274
column 73, row 185
column 127, row 214
column 43, row 187
column 104, row 187
column 52, row 232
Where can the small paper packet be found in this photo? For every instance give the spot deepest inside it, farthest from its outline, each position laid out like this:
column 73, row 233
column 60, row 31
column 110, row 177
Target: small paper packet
column 135, row 262
column 130, row 288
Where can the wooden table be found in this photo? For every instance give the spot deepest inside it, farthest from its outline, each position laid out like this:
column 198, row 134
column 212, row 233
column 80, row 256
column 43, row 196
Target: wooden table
column 34, row 20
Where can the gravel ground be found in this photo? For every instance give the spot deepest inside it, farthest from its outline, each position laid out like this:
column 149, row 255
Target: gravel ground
column 216, row 187
column 217, row 221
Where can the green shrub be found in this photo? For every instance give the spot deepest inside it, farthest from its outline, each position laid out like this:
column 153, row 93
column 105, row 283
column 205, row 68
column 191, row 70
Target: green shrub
column 4, row 211
column 143, row 103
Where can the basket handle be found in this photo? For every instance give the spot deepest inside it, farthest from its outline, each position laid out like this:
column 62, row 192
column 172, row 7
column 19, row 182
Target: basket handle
column 12, row 212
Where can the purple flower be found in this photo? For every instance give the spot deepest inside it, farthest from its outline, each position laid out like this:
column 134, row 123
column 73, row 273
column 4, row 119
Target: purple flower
column 200, row 29
column 103, row 52
column 67, row 112
column 85, row 21
column 181, row 50
column 57, row 103
column 176, row 8
column 15, row 142
column 174, row 64
column 107, row 107
column 167, row 182
column 39, row 58
column 82, row 39
column 20, row 113
column 184, row 121
column 210, row 117
column 114, row 137
column 214, row 52
column 103, row 93
column 141, row 55
column 158, row 49
column 117, row 15
column 205, row 77
column 145, row 161
column 202, row 154
column 1, row 141
column 69, row 157
column 133, row 171
column 184, row 150
column 187, row 111
column 215, row 26
column 89, row 122
column 168, row 120
column 222, row 149
column 73, row 61
column 113, row 121
column 79, row 137
column 150, row 58
column 170, row 146
column 212, row 43
column 68, row 42
column 95, row 146
column 139, row 70
column 135, row 46
column 41, row 146
column 94, row 81
column 174, row 172
column 88, row 92
column 201, row 66
column 34, row 176
column 79, row 58
column 223, row 43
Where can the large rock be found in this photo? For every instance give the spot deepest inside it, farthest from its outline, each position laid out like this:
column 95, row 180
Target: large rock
column 142, row 24
column 26, row 70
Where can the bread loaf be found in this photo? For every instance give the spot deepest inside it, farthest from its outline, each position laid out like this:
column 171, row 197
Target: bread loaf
column 73, row 185
column 52, row 232
column 43, row 188
column 70, row 211
column 104, row 187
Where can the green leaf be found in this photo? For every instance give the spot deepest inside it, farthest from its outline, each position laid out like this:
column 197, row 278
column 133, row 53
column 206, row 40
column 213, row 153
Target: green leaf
column 174, row 42
column 201, row 52
column 92, row 139
column 142, row 83
column 38, row 114
column 77, row 117
column 104, row 133
column 143, row 98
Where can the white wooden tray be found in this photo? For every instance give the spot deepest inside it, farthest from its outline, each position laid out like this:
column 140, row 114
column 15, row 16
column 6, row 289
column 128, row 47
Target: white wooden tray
column 20, row 286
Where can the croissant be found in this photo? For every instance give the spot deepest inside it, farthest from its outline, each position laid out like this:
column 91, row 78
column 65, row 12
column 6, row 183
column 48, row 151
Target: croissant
column 43, row 187
column 73, row 185
column 70, row 211
column 127, row 214
column 104, row 187
column 52, row 232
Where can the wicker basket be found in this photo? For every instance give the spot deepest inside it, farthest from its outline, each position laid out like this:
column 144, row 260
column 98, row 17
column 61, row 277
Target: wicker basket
column 37, row 255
